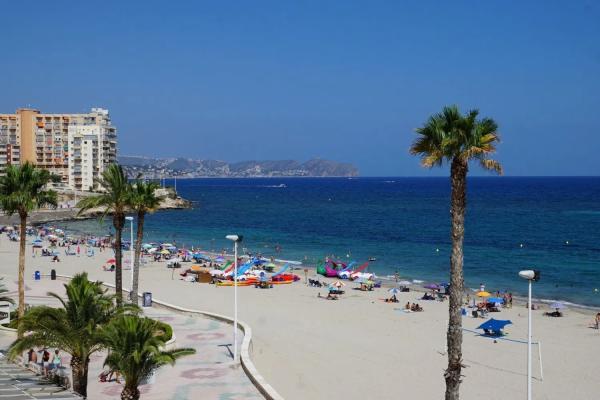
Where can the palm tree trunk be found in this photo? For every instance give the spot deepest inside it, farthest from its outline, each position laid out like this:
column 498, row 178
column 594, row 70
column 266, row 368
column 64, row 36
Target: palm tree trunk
column 22, row 242
column 138, row 252
column 458, row 177
column 79, row 368
column 118, row 224
column 130, row 393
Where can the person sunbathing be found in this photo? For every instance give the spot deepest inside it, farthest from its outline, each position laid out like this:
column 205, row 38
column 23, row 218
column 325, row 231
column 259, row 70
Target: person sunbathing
column 407, row 306
column 553, row 314
column 392, row 299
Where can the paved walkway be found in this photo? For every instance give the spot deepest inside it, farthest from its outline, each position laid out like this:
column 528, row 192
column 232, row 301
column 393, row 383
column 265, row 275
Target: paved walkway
column 208, row 374
column 17, row 383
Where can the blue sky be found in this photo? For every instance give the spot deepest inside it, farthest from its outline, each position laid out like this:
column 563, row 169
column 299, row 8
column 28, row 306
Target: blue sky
column 344, row 80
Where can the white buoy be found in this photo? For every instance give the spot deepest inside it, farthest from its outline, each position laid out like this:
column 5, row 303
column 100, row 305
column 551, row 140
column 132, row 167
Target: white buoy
column 521, row 245
column 567, row 242
column 437, row 250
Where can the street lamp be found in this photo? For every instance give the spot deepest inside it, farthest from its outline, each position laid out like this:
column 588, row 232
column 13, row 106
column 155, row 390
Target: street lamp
column 236, row 239
column 130, row 219
column 531, row 276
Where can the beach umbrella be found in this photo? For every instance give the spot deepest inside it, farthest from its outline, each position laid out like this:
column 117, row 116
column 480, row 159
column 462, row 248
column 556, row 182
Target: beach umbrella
column 165, row 252
column 338, row 284
column 152, row 250
column 332, row 288
column 362, row 279
column 219, row 259
column 216, row 272
column 147, row 246
column 166, row 245
column 557, row 305
column 483, row 294
column 432, row 286
column 494, row 325
column 111, row 261
column 405, row 283
column 394, row 290
column 196, row 268
column 495, row 300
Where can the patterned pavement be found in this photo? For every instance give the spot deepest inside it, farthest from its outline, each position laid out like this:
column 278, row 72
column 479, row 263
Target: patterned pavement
column 17, row 383
column 208, row 374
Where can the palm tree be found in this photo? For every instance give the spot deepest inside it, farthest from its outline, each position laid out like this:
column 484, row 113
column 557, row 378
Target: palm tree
column 74, row 328
column 136, row 350
column 22, row 191
column 3, row 290
column 457, row 139
column 113, row 199
column 142, row 199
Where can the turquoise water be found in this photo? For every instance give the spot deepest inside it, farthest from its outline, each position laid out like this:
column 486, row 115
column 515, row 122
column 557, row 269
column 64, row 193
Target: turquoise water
column 549, row 224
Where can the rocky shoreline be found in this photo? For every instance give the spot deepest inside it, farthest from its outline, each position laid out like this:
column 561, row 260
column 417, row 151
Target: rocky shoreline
column 171, row 201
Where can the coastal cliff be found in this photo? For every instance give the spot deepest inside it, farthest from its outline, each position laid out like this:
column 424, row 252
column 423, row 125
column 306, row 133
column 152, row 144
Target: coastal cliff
column 156, row 168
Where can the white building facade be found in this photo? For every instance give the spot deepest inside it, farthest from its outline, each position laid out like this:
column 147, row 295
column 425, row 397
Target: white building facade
column 92, row 147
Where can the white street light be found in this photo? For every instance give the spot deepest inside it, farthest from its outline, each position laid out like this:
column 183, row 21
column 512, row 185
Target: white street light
column 236, row 239
column 531, row 276
column 130, row 219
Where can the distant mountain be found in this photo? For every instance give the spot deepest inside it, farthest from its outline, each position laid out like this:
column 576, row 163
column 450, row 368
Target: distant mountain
column 190, row 168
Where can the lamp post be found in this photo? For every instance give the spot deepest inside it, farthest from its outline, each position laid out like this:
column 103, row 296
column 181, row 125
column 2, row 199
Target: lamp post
column 130, row 219
column 531, row 276
column 236, row 239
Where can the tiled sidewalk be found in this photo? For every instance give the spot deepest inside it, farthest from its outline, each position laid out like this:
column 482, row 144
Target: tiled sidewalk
column 17, row 383
column 208, row 374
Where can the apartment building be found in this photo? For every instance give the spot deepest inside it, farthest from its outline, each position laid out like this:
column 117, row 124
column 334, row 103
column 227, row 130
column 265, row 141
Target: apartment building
column 76, row 147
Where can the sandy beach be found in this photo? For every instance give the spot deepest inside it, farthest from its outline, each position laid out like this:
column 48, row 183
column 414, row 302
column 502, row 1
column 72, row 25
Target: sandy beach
column 360, row 347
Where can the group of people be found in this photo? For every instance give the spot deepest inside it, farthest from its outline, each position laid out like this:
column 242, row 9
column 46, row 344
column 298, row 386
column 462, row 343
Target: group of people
column 415, row 307
column 44, row 361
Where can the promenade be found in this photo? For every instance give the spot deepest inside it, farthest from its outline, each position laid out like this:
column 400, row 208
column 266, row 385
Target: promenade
column 208, row 374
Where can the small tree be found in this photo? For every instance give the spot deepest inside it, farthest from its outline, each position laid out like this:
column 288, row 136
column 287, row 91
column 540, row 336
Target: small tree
column 75, row 327
column 22, row 190
column 136, row 350
column 3, row 290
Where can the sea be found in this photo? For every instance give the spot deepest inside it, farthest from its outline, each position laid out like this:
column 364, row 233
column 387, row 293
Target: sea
column 513, row 223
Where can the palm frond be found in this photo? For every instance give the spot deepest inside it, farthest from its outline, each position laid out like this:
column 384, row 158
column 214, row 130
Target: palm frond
column 449, row 134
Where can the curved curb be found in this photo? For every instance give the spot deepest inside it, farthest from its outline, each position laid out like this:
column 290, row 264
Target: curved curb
column 247, row 365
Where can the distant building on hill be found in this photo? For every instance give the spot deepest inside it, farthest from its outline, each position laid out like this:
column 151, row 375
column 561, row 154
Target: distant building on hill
column 76, row 147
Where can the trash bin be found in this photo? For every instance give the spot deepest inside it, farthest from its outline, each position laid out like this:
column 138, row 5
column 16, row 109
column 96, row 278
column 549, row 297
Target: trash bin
column 147, row 299
column 37, row 276
column 53, row 275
